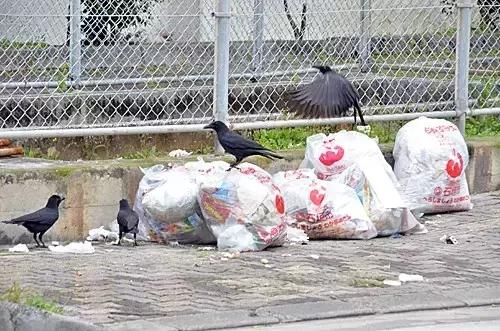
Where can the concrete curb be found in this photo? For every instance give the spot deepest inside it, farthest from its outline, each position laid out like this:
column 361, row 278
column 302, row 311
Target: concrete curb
column 360, row 306
column 14, row 317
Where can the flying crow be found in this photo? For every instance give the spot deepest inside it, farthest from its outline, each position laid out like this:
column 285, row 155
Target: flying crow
column 128, row 220
column 238, row 146
column 41, row 220
column 329, row 95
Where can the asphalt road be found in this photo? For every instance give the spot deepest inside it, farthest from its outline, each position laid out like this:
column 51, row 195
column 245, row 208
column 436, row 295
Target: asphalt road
column 463, row 319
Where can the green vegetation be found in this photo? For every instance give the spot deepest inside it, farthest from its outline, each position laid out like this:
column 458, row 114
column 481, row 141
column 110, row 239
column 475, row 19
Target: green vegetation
column 482, row 126
column 368, row 282
column 8, row 44
column 146, row 153
column 16, row 294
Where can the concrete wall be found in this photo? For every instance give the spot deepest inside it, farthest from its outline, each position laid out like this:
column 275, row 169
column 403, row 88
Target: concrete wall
column 93, row 189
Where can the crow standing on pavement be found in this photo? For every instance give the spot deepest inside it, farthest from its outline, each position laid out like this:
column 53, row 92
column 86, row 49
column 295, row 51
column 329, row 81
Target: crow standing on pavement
column 128, row 220
column 41, row 220
column 329, row 95
column 238, row 146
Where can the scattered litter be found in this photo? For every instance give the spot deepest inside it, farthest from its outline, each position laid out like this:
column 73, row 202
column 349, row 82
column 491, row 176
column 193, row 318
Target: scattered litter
column 19, row 248
column 267, row 266
column 296, row 236
column 448, row 239
column 314, row 256
column 179, row 153
column 55, row 243
column 173, row 243
column 410, row 278
column 286, row 255
column 264, row 261
column 224, row 259
column 206, row 248
column 74, row 247
column 392, row 282
column 100, row 234
column 231, row 255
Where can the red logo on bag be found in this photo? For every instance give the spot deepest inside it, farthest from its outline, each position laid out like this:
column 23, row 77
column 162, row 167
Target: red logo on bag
column 454, row 167
column 330, row 157
column 316, row 197
column 280, row 204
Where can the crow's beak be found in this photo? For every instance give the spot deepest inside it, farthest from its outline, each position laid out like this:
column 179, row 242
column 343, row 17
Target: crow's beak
column 62, row 199
column 209, row 126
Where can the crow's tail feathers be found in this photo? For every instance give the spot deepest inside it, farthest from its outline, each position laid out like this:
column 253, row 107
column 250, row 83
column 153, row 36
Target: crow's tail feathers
column 271, row 155
column 13, row 222
column 358, row 109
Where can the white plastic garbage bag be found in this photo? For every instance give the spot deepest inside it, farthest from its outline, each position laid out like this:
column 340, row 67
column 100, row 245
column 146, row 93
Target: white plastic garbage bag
column 360, row 164
column 185, row 226
column 244, row 209
column 331, row 155
column 326, row 210
column 174, row 199
column 283, row 177
column 430, row 161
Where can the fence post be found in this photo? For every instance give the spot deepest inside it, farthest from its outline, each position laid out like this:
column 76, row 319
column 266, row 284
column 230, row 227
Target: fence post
column 221, row 83
column 75, row 46
column 364, row 48
column 258, row 35
column 464, row 8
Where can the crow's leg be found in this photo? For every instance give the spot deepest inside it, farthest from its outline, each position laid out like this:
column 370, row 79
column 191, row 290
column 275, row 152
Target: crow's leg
column 34, row 237
column 120, row 237
column 234, row 165
column 135, row 239
column 40, row 237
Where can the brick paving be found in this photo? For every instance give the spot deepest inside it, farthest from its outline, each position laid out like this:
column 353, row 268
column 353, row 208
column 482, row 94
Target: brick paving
column 129, row 283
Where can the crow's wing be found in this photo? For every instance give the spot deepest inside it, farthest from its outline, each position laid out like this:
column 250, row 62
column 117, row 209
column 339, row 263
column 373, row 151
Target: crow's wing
column 329, row 95
column 128, row 219
column 232, row 140
column 42, row 216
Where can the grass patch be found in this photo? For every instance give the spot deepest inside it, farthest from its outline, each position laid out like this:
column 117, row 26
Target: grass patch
column 146, row 153
column 482, row 126
column 18, row 295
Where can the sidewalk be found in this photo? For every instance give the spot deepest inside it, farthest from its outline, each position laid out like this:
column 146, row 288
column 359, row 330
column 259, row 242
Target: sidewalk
column 120, row 284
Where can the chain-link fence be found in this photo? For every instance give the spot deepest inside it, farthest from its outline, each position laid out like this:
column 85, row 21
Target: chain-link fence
column 80, row 67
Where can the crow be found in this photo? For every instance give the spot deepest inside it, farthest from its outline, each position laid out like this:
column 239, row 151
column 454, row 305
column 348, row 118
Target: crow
column 41, row 220
column 237, row 145
column 329, row 95
column 128, row 220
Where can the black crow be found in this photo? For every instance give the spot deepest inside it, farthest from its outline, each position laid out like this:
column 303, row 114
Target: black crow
column 329, row 95
column 128, row 220
column 238, row 146
column 41, row 220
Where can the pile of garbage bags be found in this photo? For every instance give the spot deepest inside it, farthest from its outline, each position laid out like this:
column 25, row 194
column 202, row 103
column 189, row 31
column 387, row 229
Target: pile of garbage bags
column 344, row 189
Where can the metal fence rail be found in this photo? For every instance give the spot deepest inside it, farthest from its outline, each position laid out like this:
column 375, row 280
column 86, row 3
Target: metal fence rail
column 90, row 67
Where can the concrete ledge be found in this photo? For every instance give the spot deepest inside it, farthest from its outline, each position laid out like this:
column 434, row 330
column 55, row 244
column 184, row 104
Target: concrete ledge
column 16, row 318
column 93, row 188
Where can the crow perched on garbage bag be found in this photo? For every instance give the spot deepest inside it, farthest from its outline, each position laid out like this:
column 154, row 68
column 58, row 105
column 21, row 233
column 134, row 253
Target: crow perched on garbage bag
column 329, row 95
column 41, row 220
column 128, row 221
column 238, row 146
